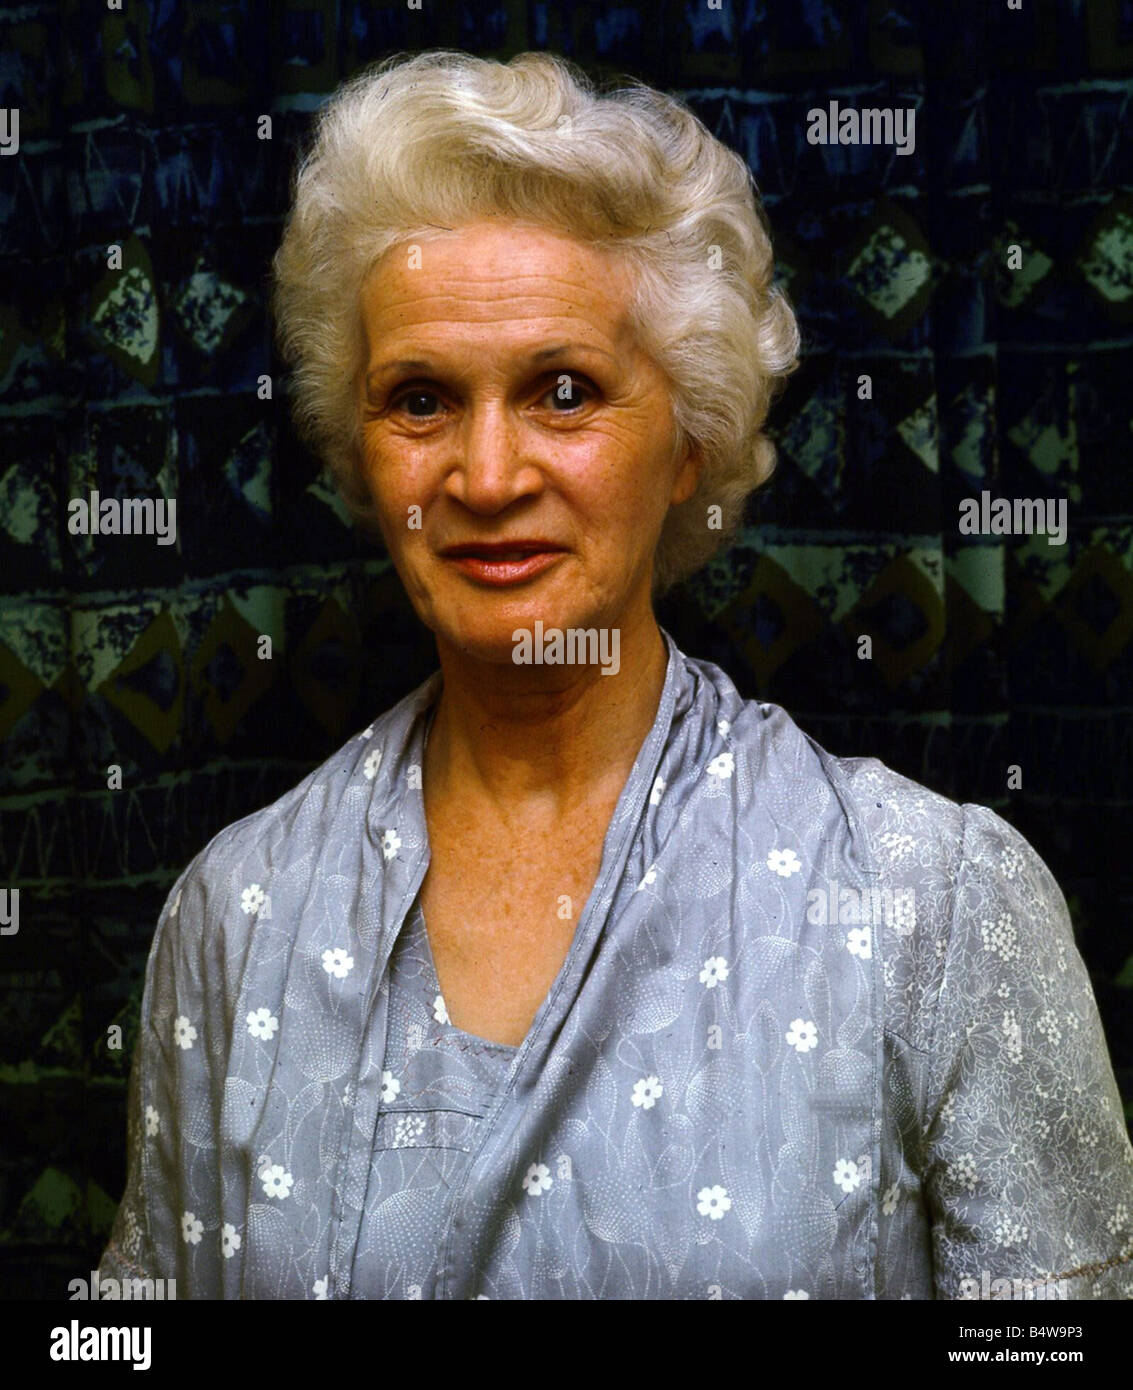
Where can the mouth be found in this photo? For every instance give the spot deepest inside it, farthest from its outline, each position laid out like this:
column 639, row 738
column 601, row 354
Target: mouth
column 504, row 562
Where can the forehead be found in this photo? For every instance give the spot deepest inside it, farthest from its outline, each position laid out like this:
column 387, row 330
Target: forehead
column 495, row 270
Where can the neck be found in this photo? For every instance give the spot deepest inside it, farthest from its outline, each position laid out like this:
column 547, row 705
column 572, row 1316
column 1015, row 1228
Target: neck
column 542, row 740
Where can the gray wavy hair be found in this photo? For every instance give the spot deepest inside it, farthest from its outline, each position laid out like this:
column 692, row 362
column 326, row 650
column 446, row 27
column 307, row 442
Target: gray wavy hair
column 441, row 138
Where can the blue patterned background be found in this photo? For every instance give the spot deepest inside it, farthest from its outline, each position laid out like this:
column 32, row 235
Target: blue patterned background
column 140, row 128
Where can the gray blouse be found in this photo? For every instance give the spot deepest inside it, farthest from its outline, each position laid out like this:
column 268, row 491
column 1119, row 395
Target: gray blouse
column 821, row 1033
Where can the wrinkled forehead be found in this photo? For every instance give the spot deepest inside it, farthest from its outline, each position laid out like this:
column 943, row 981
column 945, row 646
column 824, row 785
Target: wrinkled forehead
column 497, row 288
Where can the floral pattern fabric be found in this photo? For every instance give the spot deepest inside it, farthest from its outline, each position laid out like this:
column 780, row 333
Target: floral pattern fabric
column 821, row 1033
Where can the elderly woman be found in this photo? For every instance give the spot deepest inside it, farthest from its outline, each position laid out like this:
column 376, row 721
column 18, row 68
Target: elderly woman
column 576, row 975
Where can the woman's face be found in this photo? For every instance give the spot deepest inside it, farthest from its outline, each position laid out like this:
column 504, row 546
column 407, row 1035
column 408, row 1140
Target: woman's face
column 503, row 400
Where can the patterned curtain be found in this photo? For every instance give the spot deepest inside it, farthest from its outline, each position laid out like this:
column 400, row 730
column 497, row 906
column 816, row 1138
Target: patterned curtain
column 966, row 309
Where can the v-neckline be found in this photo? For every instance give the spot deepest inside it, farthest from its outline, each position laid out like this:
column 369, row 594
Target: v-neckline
column 427, row 946
column 650, row 752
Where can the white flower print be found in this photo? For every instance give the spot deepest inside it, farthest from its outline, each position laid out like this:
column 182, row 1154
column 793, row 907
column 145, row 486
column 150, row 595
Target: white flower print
column 802, row 1035
column 184, row 1034
column 263, row 1024
column 1008, row 1232
column 408, row 1128
column 847, row 1175
column 537, row 1180
column 252, row 899
column 229, row 1240
column 153, row 1120
column 1010, row 862
column 723, row 726
column 722, row 766
column 858, row 942
column 655, row 794
column 783, row 862
column 390, row 1086
column 1047, row 1023
column 713, row 1202
column 440, row 1010
column 715, row 970
column 897, row 844
column 948, row 1109
column 1000, row 937
column 372, row 763
column 277, row 1182
column 338, row 963
column 391, row 843
column 962, row 1171
column 1119, row 1220
column 649, row 879
column 647, row 1092
column 191, row 1229
column 319, row 1289
column 889, row 1200
column 796, row 1293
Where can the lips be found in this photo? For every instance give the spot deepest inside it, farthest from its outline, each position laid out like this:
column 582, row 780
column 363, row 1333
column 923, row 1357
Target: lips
column 503, row 563
column 501, row 550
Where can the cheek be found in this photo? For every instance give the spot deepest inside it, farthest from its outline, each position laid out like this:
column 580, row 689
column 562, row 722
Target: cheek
column 392, row 482
column 639, row 494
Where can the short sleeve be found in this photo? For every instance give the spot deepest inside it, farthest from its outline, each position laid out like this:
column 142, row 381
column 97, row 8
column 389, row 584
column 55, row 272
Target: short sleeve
column 171, row 1185
column 1029, row 1172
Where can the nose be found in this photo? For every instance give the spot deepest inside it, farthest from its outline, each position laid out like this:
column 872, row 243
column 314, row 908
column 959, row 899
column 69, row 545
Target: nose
column 494, row 467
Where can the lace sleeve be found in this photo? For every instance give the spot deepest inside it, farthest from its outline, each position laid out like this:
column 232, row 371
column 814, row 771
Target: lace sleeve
column 1029, row 1171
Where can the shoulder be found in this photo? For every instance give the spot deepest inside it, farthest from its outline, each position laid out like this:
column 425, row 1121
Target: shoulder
column 231, row 877
column 911, row 829
column 967, row 892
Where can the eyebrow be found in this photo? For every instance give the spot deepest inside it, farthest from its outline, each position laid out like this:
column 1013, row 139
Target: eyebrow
column 420, row 364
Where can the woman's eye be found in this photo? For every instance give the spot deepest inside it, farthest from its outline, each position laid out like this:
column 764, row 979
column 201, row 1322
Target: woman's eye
column 568, row 395
column 409, row 397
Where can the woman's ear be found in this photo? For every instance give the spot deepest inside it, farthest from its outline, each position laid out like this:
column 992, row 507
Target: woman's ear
column 688, row 473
